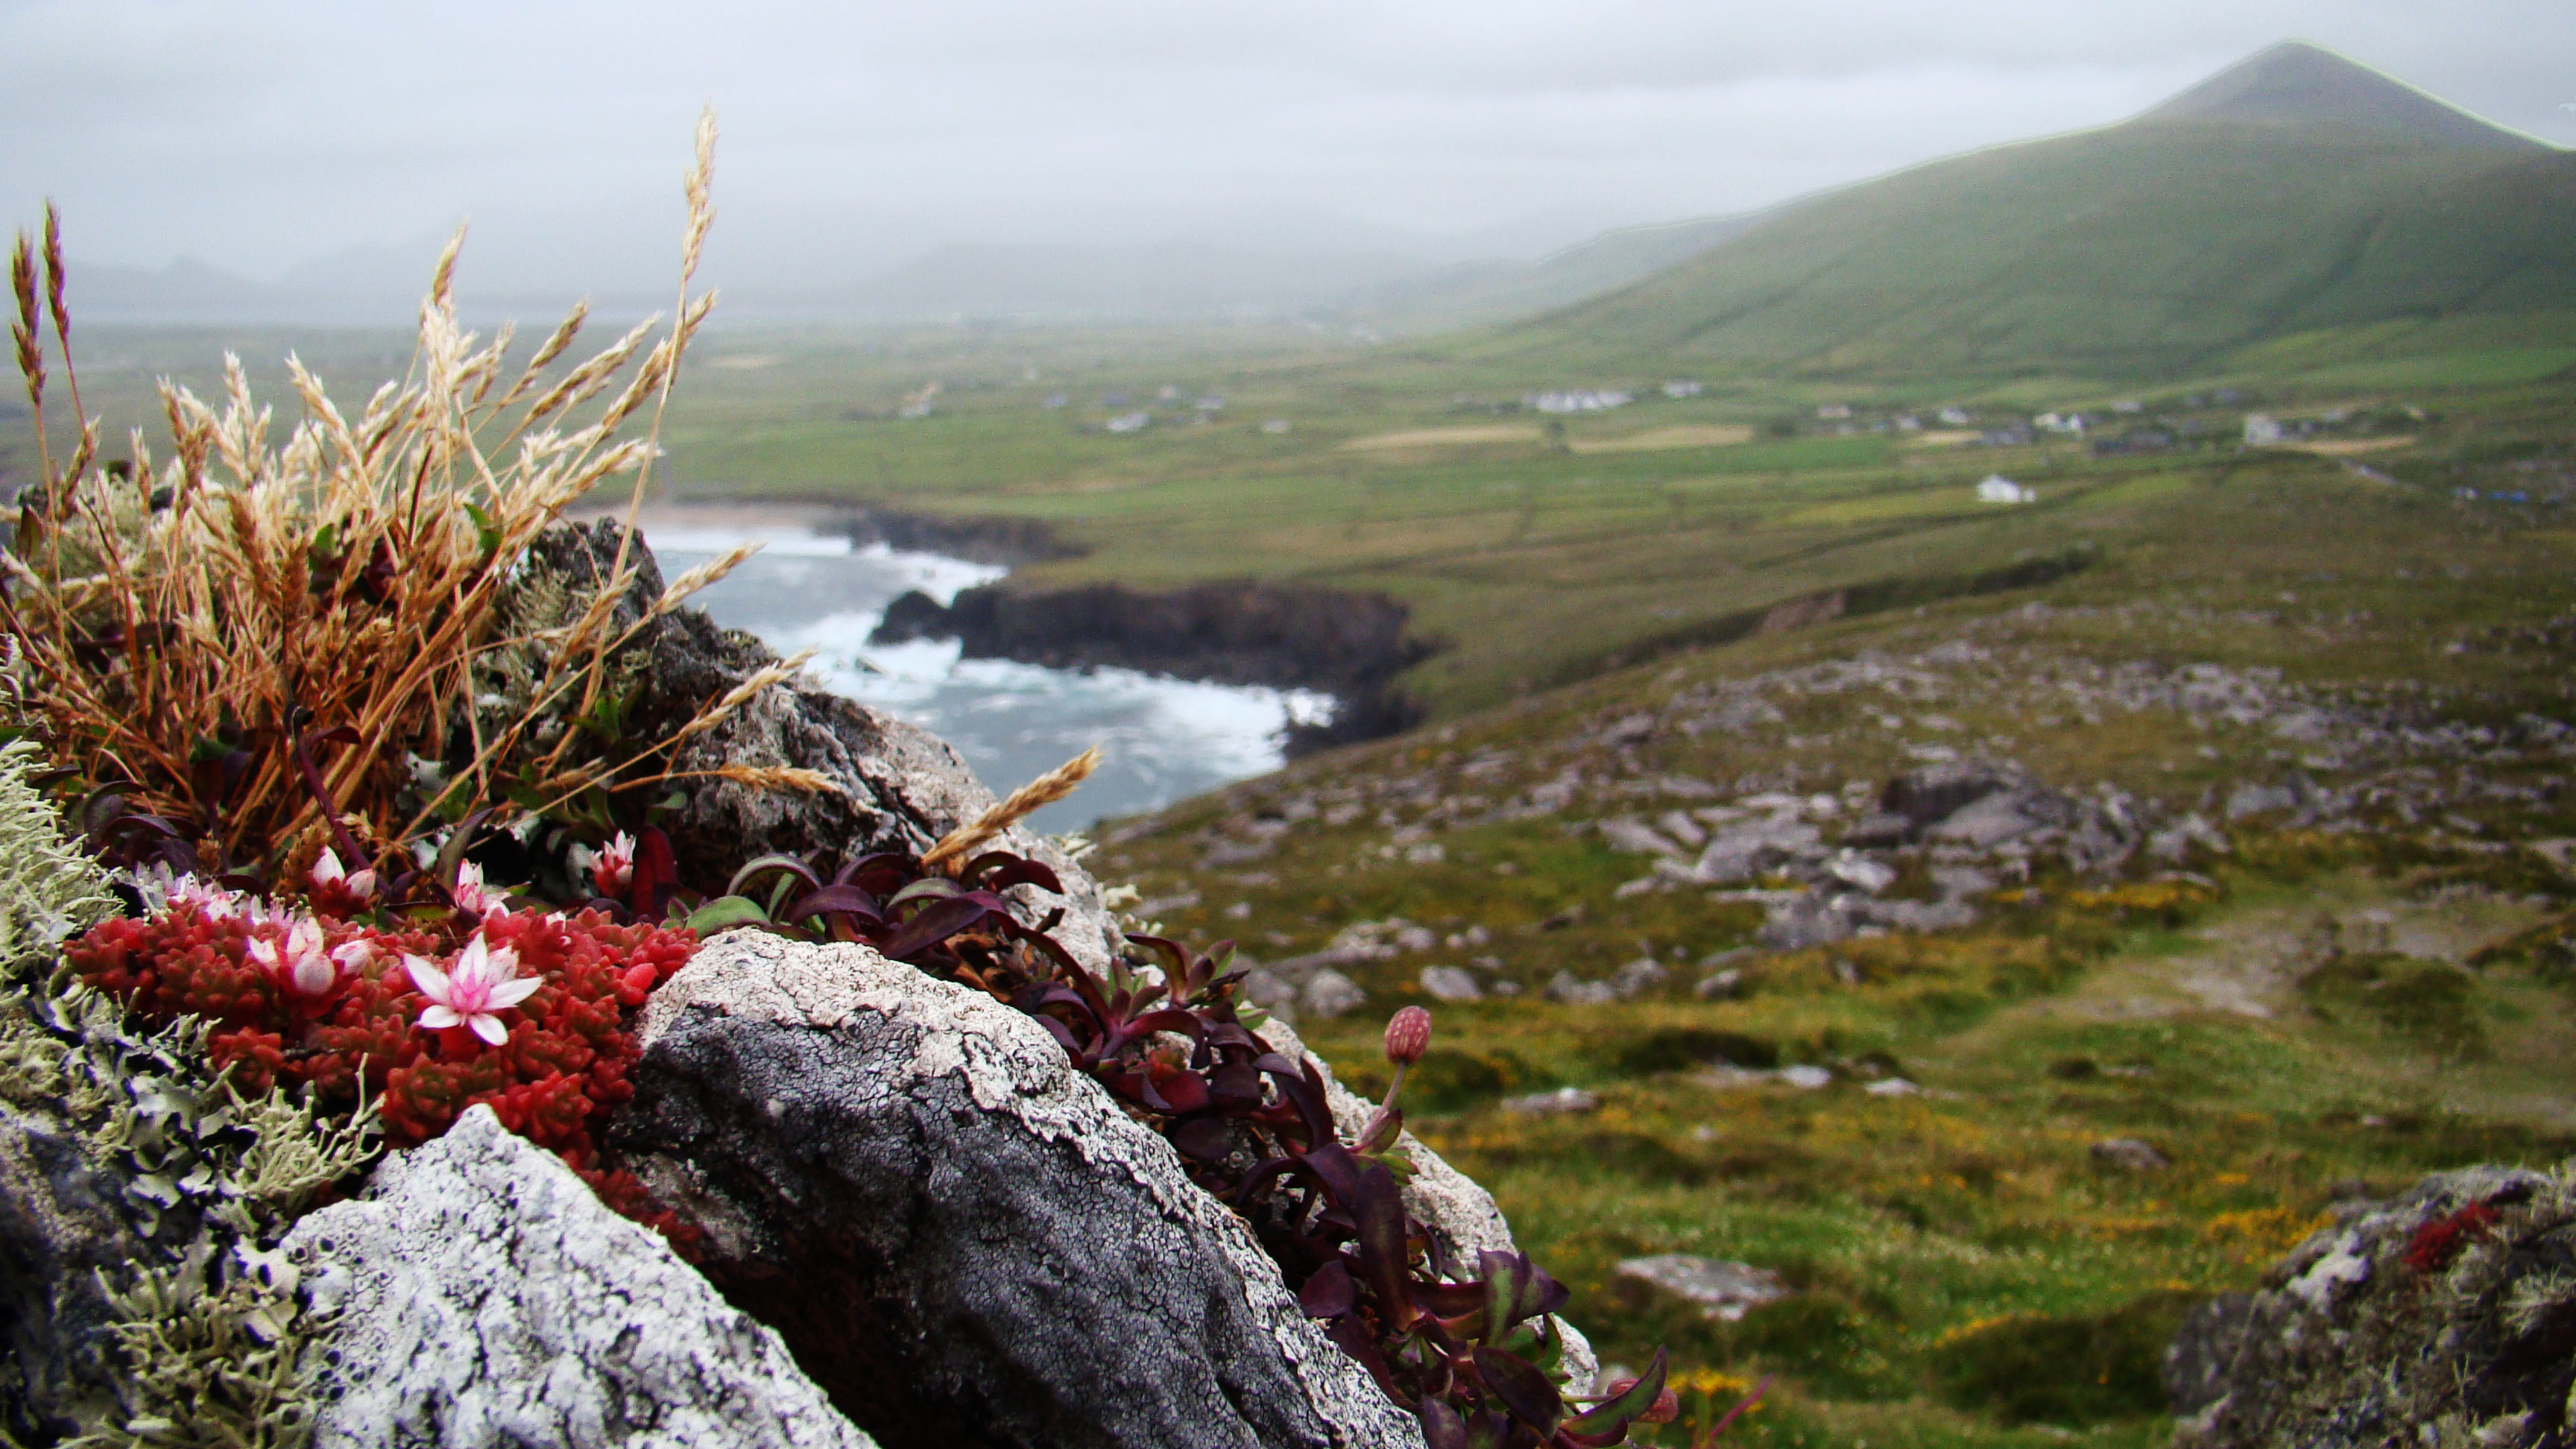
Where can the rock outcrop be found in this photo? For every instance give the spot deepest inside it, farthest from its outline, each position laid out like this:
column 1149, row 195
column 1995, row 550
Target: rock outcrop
column 2445, row 1316
column 481, row 1295
column 892, row 786
column 1351, row 645
column 964, row 1239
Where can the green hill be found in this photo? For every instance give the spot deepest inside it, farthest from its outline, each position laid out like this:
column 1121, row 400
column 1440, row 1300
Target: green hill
column 2295, row 193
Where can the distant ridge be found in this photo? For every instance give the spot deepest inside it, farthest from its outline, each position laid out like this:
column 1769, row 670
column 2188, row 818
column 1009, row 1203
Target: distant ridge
column 2294, row 195
column 2296, row 82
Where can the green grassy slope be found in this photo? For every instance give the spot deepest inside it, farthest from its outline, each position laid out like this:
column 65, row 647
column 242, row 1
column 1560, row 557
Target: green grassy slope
column 2293, row 194
column 2148, row 248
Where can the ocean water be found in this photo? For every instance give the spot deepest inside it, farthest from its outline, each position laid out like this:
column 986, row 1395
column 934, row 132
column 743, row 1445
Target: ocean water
column 1161, row 739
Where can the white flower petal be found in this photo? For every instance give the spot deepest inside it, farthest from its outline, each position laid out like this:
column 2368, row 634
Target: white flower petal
column 314, row 974
column 438, row 1018
column 490, row 1029
column 431, row 981
column 326, row 867
column 511, row 993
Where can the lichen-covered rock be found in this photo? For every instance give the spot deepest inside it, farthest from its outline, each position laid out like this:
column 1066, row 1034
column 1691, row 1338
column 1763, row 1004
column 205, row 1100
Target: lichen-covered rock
column 2443, row 1318
column 480, row 1295
column 63, row 1217
column 965, row 1240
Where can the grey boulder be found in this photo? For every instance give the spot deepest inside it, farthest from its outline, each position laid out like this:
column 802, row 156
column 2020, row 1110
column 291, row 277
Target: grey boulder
column 481, row 1295
column 965, row 1240
column 2441, row 1316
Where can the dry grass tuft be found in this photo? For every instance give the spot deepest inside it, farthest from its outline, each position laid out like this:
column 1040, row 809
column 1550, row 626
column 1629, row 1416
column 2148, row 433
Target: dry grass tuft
column 1025, row 801
column 178, row 616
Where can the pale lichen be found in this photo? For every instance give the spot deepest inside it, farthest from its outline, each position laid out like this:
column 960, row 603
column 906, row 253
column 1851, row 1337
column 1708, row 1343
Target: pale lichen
column 210, row 1344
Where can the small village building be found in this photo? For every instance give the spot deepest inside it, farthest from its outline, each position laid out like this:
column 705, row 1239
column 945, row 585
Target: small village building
column 1999, row 489
column 2262, row 430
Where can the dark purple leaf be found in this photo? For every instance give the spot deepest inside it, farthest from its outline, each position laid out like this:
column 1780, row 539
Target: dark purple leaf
column 1377, row 1210
column 1017, row 872
column 933, row 924
column 1203, row 1139
column 839, row 899
column 1329, row 1293
column 1441, row 1426
column 1350, row 1334
column 1177, row 1093
column 1522, row 1389
column 786, row 865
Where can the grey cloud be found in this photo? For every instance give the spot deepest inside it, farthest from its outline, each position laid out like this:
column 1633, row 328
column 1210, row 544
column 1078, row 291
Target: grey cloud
column 261, row 135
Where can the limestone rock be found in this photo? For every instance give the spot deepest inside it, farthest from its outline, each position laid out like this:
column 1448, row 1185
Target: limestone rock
column 2130, row 1153
column 483, row 1296
column 2441, row 1316
column 1723, row 1290
column 1451, row 983
column 1328, row 994
column 62, row 1218
column 964, row 1239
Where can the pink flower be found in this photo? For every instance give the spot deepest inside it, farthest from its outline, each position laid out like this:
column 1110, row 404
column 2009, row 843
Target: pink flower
column 328, row 871
column 481, row 983
column 474, row 896
column 302, row 965
column 613, row 869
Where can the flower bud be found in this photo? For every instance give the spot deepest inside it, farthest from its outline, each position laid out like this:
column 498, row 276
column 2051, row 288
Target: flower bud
column 1408, row 1035
column 1666, row 1408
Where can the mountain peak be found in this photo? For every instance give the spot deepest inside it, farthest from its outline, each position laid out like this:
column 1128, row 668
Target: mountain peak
column 2296, row 81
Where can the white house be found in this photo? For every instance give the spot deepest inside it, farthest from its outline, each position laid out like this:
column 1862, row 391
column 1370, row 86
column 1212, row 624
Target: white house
column 1954, row 417
column 1999, row 489
column 2262, row 430
column 1682, row 387
column 1128, row 422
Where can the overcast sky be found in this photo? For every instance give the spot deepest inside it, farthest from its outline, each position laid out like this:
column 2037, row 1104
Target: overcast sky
column 260, row 136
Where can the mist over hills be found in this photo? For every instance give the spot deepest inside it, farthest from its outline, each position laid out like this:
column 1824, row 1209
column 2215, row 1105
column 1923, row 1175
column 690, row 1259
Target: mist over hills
column 2293, row 193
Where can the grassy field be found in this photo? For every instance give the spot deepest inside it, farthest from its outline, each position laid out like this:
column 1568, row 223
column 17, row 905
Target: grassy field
column 2312, row 1015
column 1967, row 1273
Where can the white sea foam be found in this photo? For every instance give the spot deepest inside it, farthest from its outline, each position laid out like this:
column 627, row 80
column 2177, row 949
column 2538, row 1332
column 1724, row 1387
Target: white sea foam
column 1162, row 738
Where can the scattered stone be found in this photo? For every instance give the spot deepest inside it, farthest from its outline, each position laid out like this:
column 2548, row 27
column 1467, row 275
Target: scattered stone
column 481, row 1295
column 1638, row 837
column 1566, row 988
column 2247, row 800
column 1805, row 1078
column 1726, row 985
column 1562, row 1100
column 1270, row 991
column 1637, row 976
column 1451, row 983
column 1806, row 919
column 1860, row 872
column 1892, row 1087
column 1725, row 1291
column 1928, row 796
column 1328, row 994
column 2131, row 1153
column 1923, row 917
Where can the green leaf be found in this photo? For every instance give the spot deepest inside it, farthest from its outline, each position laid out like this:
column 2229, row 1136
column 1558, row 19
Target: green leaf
column 486, row 534
column 726, row 912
